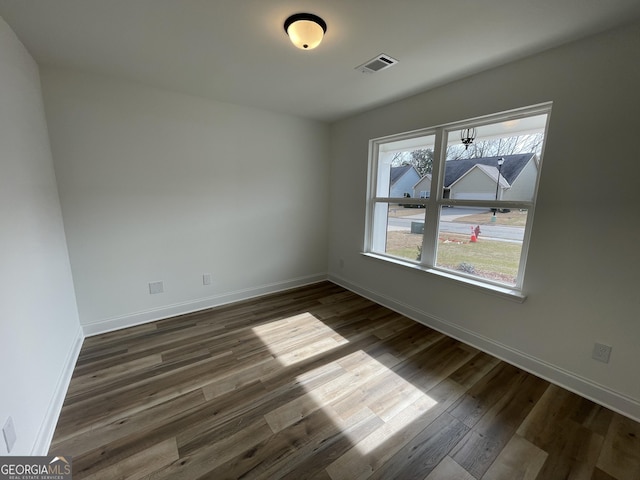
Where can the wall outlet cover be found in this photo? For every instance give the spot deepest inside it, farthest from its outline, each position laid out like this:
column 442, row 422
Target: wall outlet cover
column 156, row 287
column 601, row 352
column 206, row 279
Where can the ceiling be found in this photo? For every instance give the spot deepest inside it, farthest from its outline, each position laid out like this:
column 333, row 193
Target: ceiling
column 237, row 51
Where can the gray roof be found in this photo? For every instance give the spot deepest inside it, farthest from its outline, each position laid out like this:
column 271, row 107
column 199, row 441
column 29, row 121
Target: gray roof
column 397, row 172
column 511, row 168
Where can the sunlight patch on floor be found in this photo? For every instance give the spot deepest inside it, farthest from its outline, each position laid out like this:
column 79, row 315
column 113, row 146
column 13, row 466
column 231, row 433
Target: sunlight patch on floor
column 366, row 386
column 297, row 338
column 396, row 401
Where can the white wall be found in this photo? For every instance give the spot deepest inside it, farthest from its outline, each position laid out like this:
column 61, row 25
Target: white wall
column 39, row 331
column 161, row 186
column 582, row 276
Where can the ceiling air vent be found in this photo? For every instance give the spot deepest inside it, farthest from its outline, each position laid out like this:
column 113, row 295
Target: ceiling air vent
column 378, row 63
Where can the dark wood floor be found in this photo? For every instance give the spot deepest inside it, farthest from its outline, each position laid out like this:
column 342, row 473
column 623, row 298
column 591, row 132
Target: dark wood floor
column 320, row 383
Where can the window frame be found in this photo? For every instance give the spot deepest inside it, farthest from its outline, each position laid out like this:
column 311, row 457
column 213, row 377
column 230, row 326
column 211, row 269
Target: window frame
column 435, row 202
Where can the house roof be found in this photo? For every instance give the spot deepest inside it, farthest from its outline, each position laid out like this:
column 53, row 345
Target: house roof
column 398, row 172
column 511, row 168
column 427, row 176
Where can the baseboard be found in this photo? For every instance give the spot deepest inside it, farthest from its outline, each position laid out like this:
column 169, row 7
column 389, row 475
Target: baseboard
column 48, row 427
column 584, row 387
column 138, row 318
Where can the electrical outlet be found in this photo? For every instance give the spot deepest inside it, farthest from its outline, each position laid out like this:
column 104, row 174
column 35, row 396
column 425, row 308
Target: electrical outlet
column 206, row 279
column 9, row 433
column 601, row 352
column 156, row 287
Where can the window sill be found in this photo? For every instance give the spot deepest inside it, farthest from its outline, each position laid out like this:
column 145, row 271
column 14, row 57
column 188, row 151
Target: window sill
column 503, row 292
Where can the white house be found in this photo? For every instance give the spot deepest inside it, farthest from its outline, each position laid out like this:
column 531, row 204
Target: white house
column 402, row 179
column 422, row 189
column 484, row 179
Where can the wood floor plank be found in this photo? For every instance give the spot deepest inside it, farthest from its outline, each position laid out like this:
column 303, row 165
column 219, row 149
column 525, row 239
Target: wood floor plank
column 557, row 404
column 239, row 377
column 318, row 382
column 448, row 469
column 573, row 454
column 301, row 369
column 296, row 410
column 141, row 395
column 320, row 447
column 104, row 376
column 476, row 368
column 482, row 396
column 553, row 425
column 600, row 475
column 74, row 443
column 257, row 461
column 425, row 451
column 492, row 433
column 519, row 460
column 370, row 453
column 225, row 415
column 619, row 457
column 202, row 461
column 140, row 464
column 130, row 377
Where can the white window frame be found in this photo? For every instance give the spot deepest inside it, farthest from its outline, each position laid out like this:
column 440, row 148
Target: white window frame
column 433, row 205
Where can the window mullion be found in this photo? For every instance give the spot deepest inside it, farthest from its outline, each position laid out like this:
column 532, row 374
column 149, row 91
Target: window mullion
column 430, row 236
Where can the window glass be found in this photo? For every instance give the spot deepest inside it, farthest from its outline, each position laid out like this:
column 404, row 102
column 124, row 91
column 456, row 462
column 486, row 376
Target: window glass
column 501, row 163
column 403, row 165
column 471, row 243
column 403, row 230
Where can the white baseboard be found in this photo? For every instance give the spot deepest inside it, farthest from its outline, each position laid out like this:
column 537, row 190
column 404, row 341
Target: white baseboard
column 584, row 387
column 138, row 318
column 48, row 427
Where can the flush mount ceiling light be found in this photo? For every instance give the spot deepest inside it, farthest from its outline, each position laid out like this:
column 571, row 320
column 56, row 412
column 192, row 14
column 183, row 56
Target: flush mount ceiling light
column 305, row 30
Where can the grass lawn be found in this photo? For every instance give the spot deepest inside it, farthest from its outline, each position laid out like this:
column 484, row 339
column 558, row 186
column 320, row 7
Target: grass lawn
column 491, row 259
column 514, row 218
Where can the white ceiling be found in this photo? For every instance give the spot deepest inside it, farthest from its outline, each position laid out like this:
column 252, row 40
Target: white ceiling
column 237, row 51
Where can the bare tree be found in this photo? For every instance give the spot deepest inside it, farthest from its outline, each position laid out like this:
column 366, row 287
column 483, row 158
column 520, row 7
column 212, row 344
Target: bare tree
column 421, row 159
column 531, row 143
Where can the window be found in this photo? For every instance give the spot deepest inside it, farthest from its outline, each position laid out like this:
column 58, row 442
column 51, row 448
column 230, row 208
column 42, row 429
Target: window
column 477, row 227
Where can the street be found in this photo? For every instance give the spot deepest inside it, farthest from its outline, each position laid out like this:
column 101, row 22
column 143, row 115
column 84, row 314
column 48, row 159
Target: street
column 447, row 225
